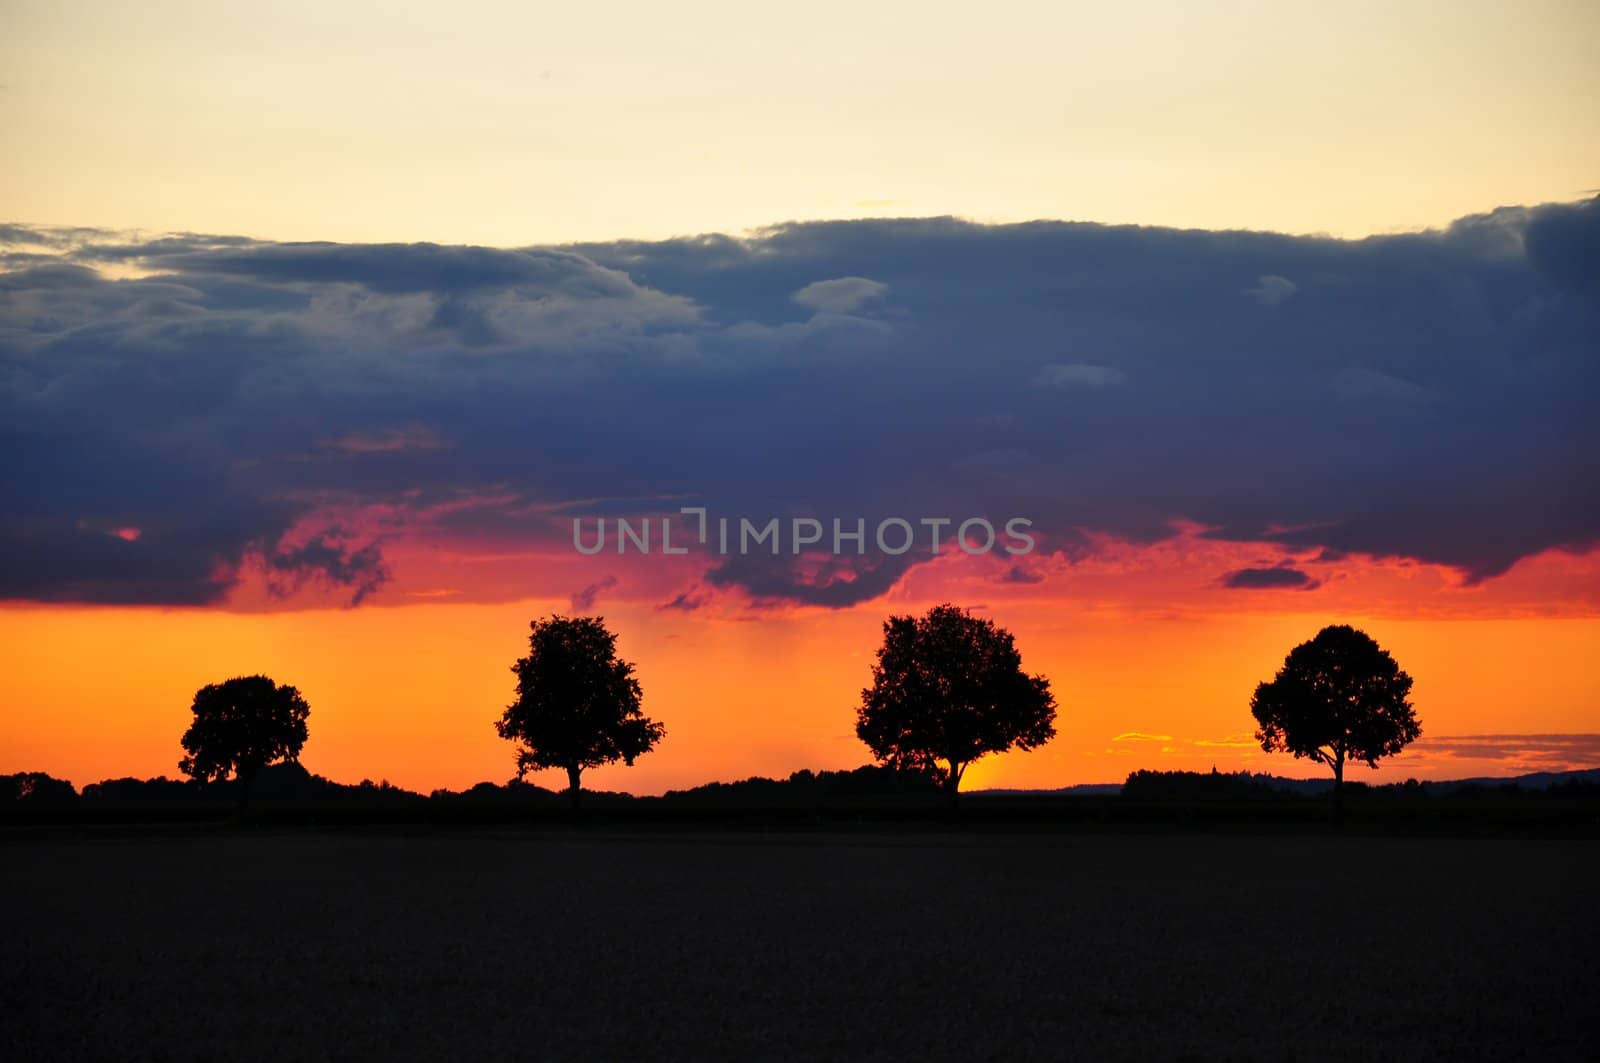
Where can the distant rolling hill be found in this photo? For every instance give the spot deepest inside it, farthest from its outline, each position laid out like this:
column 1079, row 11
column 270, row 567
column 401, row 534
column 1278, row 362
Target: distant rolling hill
column 1539, row 780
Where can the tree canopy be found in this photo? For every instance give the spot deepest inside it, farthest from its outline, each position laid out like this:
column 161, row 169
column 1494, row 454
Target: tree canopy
column 240, row 726
column 578, row 704
column 1339, row 697
column 948, row 688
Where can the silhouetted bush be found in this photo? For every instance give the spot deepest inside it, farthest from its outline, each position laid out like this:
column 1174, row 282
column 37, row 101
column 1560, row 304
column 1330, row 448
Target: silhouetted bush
column 34, row 791
column 131, row 792
column 1147, row 785
column 489, row 796
column 285, row 784
column 806, row 787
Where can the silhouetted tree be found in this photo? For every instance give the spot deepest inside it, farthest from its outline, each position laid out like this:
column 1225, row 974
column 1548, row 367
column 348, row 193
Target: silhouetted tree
column 1337, row 698
column 577, row 704
column 947, row 688
column 240, row 727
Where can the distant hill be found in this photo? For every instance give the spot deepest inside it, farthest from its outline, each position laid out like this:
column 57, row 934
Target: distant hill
column 1539, row 780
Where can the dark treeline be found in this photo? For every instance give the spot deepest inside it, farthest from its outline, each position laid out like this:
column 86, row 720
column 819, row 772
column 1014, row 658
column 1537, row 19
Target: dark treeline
column 289, row 790
column 1190, row 786
column 290, row 784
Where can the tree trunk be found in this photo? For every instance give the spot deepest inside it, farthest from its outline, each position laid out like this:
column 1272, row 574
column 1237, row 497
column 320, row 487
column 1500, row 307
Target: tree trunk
column 1338, row 788
column 952, row 785
column 573, row 789
column 244, row 778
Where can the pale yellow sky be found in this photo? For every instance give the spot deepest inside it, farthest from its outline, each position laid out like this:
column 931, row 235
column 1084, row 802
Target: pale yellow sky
column 517, row 123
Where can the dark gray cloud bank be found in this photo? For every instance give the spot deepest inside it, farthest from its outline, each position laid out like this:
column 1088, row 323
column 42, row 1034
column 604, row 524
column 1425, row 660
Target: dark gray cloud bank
column 1429, row 396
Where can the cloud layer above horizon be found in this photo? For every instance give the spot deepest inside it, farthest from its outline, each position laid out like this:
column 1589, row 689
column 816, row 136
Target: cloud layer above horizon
column 182, row 409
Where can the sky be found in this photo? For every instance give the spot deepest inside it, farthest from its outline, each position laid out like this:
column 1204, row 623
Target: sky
column 318, row 330
column 514, row 123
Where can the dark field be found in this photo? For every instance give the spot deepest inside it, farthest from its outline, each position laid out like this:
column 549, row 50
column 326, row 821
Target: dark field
column 565, row 945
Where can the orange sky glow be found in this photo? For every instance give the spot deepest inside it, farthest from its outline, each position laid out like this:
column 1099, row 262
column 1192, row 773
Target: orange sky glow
column 1151, row 660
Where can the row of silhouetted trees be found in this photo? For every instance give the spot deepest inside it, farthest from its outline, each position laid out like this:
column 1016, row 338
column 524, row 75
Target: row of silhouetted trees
column 948, row 688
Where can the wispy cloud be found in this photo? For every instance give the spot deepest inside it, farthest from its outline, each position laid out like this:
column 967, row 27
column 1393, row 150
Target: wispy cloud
column 1581, row 749
column 686, row 601
column 1242, row 740
column 584, row 600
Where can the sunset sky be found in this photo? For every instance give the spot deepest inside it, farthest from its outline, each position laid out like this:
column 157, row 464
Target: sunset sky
column 319, row 327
